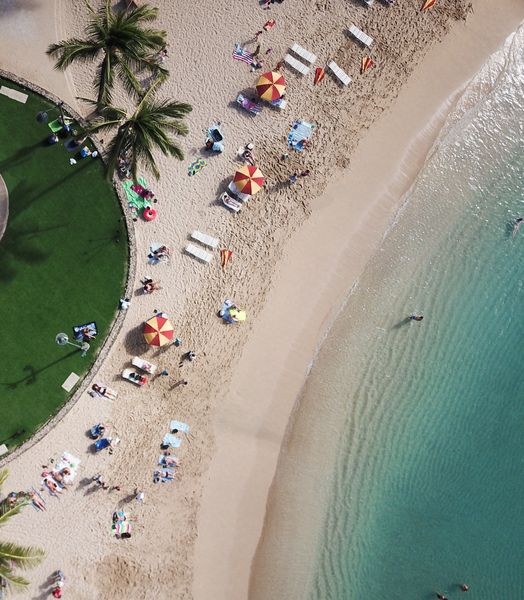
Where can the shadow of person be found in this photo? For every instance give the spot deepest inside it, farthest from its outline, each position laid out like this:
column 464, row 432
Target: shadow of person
column 402, row 323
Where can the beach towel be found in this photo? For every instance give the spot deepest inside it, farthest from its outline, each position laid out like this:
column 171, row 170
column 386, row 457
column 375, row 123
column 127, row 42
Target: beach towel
column 299, row 135
column 183, row 427
column 163, row 475
column 55, row 126
column 85, row 332
column 167, row 461
column 171, row 440
column 134, row 200
column 196, row 166
column 242, row 54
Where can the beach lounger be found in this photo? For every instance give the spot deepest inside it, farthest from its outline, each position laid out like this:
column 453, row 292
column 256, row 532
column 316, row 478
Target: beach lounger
column 170, row 439
column 303, row 53
column 134, row 377
column 252, row 107
column 230, row 202
column 199, row 253
column 234, row 190
column 3, row 449
column 368, row 2
column 296, row 64
column 205, row 239
column 144, row 365
column 280, row 103
column 360, row 35
column 339, row 73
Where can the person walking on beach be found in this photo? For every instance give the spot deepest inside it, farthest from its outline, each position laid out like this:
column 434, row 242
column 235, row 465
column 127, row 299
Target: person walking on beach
column 178, row 383
column 416, row 317
column 293, row 178
column 190, row 356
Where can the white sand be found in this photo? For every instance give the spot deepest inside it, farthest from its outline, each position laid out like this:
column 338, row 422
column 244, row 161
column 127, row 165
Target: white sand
column 238, row 415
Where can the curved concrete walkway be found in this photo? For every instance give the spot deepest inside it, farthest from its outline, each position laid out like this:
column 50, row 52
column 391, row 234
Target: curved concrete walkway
column 4, row 206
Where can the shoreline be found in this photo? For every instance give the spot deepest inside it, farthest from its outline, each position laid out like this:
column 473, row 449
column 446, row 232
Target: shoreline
column 246, row 461
column 213, row 404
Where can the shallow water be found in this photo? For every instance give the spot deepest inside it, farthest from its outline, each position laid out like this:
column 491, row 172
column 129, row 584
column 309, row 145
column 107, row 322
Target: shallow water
column 423, row 485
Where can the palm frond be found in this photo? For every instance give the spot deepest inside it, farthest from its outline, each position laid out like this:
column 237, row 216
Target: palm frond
column 104, row 80
column 73, row 50
column 23, row 557
column 13, row 580
column 3, row 476
column 6, row 511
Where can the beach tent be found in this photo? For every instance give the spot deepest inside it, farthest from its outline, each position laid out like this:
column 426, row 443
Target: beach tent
column 271, row 86
column 158, row 331
column 248, row 180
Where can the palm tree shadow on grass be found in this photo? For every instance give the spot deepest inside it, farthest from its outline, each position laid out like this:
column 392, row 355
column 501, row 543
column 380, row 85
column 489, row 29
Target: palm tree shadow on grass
column 21, row 155
column 32, row 373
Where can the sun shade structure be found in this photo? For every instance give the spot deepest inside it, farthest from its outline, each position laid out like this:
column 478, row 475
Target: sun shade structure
column 158, row 331
column 271, row 86
column 248, row 180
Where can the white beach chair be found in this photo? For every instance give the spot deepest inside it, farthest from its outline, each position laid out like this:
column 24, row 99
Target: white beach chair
column 296, row 64
column 205, row 239
column 144, row 365
column 362, row 37
column 368, row 2
column 199, row 253
column 303, row 53
column 339, row 73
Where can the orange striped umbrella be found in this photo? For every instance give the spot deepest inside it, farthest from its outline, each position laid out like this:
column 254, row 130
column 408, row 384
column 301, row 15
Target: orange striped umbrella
column 367, row 63
column 271, row 86
column 428, row 4
column 158, row 331
column 248, row 179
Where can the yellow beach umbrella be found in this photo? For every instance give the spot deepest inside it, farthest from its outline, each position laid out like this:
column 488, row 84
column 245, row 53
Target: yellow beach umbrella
column 271, row 86
column 158, row 331
column 248, row 180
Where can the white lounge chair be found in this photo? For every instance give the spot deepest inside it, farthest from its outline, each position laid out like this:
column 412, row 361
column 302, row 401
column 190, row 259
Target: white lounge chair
column 303, row 53
column 362, row 37
column 199, row 253
column 369, row 2
column 205, row 239
column 144, row 365
column 234, row 190
column 296, row 64
column 339, row 73
column 230, row 202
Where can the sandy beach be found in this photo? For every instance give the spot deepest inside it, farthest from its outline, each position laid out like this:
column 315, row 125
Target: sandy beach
column 297, row 251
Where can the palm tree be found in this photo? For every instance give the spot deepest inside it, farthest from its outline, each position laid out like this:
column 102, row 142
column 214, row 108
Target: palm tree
column 13, row 556
column 139, row 134
column 122, row 42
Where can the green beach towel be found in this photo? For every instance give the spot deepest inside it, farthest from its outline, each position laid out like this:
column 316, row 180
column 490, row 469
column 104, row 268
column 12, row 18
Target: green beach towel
column 133, row 199
column 55, row 126
column 196, row 166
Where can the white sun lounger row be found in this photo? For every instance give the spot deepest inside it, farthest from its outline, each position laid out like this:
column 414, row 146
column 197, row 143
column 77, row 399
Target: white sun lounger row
column 205, row 239
column 360, row 35
column 296, row 64
column 339, row 73
column 303, row 53
column 199, row 253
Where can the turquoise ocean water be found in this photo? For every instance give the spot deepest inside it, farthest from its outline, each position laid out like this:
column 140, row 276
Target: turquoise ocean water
column 424, row 488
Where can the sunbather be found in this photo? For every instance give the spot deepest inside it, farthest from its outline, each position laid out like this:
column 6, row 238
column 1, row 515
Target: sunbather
column 52, row 486
column 36, row 500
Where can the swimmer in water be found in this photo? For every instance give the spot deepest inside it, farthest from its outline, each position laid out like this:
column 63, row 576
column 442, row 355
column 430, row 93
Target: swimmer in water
column 517, row 225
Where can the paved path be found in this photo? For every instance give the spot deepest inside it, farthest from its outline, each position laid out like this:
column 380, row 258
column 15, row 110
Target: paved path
column 4, row 206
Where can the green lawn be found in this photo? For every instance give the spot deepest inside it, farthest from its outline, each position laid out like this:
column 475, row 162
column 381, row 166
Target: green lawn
column 63, row 262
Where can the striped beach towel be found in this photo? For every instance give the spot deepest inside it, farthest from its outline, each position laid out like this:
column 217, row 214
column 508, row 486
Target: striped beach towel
column 240, row 53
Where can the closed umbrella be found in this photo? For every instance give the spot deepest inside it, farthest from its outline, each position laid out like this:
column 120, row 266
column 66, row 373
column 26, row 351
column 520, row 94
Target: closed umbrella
column 248, row 180
column 158, row 331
